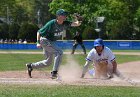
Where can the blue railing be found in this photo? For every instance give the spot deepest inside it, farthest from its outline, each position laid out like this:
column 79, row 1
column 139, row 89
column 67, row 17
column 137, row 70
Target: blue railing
column 115, row 45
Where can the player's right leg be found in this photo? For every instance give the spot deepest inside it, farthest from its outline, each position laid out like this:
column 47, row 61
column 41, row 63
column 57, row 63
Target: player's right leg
column 83, row 47
column 48, row 58
column 40, row 64
column 57, row 60
column 74, row 47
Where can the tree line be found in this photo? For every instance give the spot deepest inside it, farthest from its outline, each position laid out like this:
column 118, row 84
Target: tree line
column 24, row 17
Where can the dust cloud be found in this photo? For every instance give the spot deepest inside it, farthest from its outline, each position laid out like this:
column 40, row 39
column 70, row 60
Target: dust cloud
column 71, row 71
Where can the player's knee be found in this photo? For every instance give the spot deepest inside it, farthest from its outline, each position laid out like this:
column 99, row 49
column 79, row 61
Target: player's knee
column 59, row 53
column 48, row 62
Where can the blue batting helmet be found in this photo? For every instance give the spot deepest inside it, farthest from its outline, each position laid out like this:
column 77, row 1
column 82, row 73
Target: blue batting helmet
column 98, row 42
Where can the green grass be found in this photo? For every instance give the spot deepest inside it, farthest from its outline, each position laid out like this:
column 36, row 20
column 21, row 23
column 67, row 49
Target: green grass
column 120, row 58
column 67, row 50
column 28, row 50
column 127, row 58
column 18, row 61
column 79, row 50
column 42, row 90
column 126, row 50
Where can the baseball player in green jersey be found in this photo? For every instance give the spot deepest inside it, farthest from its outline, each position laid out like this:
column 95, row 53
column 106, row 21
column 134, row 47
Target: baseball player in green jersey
column 46, row 38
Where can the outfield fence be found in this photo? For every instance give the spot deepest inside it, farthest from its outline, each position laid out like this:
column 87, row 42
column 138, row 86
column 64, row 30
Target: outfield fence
column 113, row 44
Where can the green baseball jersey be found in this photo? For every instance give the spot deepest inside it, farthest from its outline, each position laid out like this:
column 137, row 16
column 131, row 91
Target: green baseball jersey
column 52, row 30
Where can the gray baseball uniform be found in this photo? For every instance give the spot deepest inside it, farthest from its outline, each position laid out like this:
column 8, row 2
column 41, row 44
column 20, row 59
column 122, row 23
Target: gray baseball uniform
column 49, row 34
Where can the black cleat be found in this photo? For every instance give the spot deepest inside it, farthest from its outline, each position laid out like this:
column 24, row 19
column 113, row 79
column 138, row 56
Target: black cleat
column 82, row 76
column 54, row 74
column 29, row 67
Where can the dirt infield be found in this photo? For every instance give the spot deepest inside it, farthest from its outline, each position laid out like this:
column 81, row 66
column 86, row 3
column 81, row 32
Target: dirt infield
column 72, row 76
column 42, row 77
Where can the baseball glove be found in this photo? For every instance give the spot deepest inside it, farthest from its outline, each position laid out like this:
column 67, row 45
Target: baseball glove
column 78, row 17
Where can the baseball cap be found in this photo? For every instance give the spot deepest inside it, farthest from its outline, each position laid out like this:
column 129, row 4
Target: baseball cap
column 61, row 12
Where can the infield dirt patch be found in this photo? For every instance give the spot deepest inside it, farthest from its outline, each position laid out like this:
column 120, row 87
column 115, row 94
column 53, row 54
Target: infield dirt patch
column 70, row 74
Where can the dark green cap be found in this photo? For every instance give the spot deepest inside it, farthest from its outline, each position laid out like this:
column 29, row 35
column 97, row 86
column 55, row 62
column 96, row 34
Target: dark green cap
column 61, row 12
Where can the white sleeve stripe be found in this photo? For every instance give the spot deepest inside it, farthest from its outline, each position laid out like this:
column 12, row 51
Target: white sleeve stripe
column 88, row 59
column 113, row 59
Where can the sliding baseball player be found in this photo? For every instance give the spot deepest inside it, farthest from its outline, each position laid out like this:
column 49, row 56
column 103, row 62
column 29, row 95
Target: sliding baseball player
column 103, row 59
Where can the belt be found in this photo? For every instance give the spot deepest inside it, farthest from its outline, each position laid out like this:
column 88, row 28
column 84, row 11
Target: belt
column 46, row 38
